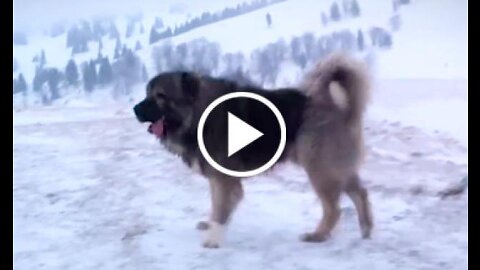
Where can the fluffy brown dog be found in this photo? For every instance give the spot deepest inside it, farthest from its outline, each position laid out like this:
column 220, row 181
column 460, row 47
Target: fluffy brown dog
column 324, row 135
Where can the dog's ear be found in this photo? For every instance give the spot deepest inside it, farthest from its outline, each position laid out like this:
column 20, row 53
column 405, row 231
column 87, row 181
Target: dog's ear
column 190, row 84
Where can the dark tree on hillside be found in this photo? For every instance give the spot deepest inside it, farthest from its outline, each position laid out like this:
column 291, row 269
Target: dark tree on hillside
column 395, row 22
column 158, row 23
column 130, row 28
column 19, row 38
column 118, row 48
column 324, row 19
column 360, row 41
column 38, row 80
column 100, row 44
column 105, row 73
column 127, row 72
column 15, row 87
column 71, row 73
column 144, row 74
column 335, row 12
column 116, row 55
column 98, row 30
column 72, row 36
column 142, row 29
column 309, row 43
column 86, row 31
column 99, row 58
column 43, row 60
column 153, row 36
column 22, row 84
column 19, row 85
column 87, row 78
column 182, row 50
column 138, row 46
column 163, row 57
column 114, row 31
column 93, row 72
column 355, row 9
column 269, row 19
column 53, row 80
column 297, row 52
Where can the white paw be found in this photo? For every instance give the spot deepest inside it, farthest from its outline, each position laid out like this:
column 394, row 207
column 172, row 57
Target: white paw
column 214, row 235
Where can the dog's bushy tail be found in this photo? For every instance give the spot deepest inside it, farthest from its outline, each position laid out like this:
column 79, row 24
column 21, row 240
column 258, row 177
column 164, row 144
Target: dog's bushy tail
column 342, row 82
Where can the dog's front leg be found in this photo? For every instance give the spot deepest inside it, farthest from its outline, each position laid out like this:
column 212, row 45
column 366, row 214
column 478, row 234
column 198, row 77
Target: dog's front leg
column 226, row 194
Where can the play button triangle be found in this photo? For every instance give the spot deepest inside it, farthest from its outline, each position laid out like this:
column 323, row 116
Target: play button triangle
column 240, row 134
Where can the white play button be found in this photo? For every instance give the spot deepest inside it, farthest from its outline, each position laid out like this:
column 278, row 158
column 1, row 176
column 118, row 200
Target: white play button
column 240, row 134
column 231, row 144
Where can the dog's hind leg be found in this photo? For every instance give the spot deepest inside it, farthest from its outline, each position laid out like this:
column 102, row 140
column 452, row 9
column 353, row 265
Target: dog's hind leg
column 329, row 190
column 359, row 195
column 226, row 194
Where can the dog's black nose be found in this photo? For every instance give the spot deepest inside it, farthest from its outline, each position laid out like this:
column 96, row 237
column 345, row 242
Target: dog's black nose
column 138, row 112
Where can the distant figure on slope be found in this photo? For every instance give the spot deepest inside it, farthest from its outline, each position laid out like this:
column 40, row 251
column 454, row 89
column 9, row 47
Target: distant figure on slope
column 269, row 20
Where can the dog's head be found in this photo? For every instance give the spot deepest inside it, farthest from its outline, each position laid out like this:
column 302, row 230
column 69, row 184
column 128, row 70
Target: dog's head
column 168, row 105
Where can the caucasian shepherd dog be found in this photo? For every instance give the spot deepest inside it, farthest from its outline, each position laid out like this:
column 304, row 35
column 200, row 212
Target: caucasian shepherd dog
column 324, row 120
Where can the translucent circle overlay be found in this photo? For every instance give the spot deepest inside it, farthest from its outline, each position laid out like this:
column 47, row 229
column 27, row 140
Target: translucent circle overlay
column 264, row 167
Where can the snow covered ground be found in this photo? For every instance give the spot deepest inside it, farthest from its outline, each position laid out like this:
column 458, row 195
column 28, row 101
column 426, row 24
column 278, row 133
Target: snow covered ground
column 93, row 190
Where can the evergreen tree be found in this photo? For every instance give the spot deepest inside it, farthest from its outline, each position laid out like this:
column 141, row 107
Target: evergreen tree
column 87, row 78
column 38, row 80
column 334, row 12
column 360, row 41
column 269, row 19
column 324, row 19
column 158, row 23
column 105, row 73
column 87, row 32
column 130, row 28
column 118, row 47
column 72, row 36
column 43, row 61
column 355, row 9
column 116, row 55
column 138, row 46
column 19, row 85
column 71, row 72
column 53, row 80
column 22, row 84
column 153, row 36
column 15, row 87
column 114, row 31
column 144, row 74
column 308, row 42
column 93, row 72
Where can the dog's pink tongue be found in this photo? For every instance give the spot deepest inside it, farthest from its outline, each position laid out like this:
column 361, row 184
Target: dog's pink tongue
column 157, row 128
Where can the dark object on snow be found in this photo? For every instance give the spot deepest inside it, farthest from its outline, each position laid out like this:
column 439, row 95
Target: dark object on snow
column 456, row 189
column 269, row 19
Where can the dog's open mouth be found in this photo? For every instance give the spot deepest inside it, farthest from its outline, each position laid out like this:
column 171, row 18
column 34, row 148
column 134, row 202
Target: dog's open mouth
column 157, row 128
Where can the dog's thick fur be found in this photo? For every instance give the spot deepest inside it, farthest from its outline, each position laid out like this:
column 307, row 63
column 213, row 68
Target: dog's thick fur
column 324, row 135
